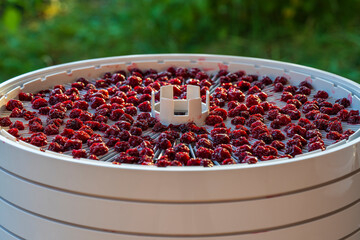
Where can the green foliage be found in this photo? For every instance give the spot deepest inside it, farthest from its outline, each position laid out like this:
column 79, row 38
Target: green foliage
column 11, row 19
column 39, row 33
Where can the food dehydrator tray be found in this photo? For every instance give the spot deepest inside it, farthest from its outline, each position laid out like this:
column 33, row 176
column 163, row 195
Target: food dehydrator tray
column 313, row 194
column 346, row 228
column 110, row 156
column 273, row 97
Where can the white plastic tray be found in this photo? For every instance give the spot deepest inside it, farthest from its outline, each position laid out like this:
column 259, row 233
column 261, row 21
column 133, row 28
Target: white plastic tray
column 327, row 179
column 175, row 218
column 30, row 226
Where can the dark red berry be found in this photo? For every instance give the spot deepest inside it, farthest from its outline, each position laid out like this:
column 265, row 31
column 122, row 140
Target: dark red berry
column 44, row 110
column 293, row 150
column 5, row 122
column 301, row 98
column 127, row 117
column 181, row 147
column 163, row 163
column 335, row 126
column 219, row 112
column 18, row 124
column 343, row 115
column 203, row 142
column 136, row 131
column 283, row 119
column 266, row 80
column 253, row 90
column 158, row 127
column 74, row 124
column 252, row 100
column 131, row 110
column 57, row 98
column 134, row 152
column 304, row 90
column 238, row 120
column 164, row 144
column 134, row 81
column 309, row 107
column 303, row 121
column 272, row 114
column 135, row 141
column 354, row 112
column 117, row 77
column 285, row 96
column 294, row 114
column 203, row 152
column 81, row 105
column 56, row 113
column 51, row 129
column 188, row 138
column 79, row 153
column 67, row 133
column 73, row 144
column 92, row 124
column 81, row 135
column 333, row 135
column 200, row 162
column 56, row 147
column 98, row 149
column 38, row 139
column 295, row 102
column 256, row 109
column 25, row 96
column 213, row 119
column 278, row 87
column 327, row 110
column 36, row 127
column 75, row 113
column 343, row 101
column 278, row 145
column 182, row 157
column 17, row 113
column 321, row 94
column 228, row 161
column 316, row 146
column 116, row 114
column 306, row 84
column 13, row 103
column 321, row 124
column 96, row 102
column 250, row 160
column 170, row 153
column 38, row 103
column 220, row 154
column 244, row 85
column 146, row 151
column 313, row 133
column 14, row 132
column 277, row 135
column 281, row 80
column 145, row 106
column 121, row 146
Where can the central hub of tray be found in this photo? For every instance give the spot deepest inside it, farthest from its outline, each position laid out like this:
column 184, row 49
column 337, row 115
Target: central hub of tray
column 179, row 111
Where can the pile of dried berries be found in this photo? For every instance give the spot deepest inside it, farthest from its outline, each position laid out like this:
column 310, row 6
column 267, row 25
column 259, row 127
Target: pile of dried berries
column 110, row 117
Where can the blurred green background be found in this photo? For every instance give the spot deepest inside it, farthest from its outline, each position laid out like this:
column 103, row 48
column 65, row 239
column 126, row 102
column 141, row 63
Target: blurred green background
column 40, row 33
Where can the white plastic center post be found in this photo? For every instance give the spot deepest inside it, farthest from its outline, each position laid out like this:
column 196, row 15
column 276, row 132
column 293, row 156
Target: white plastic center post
column 179, row 111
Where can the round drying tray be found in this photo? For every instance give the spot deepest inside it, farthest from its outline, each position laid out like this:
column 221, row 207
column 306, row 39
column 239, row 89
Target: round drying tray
column 310, row 193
